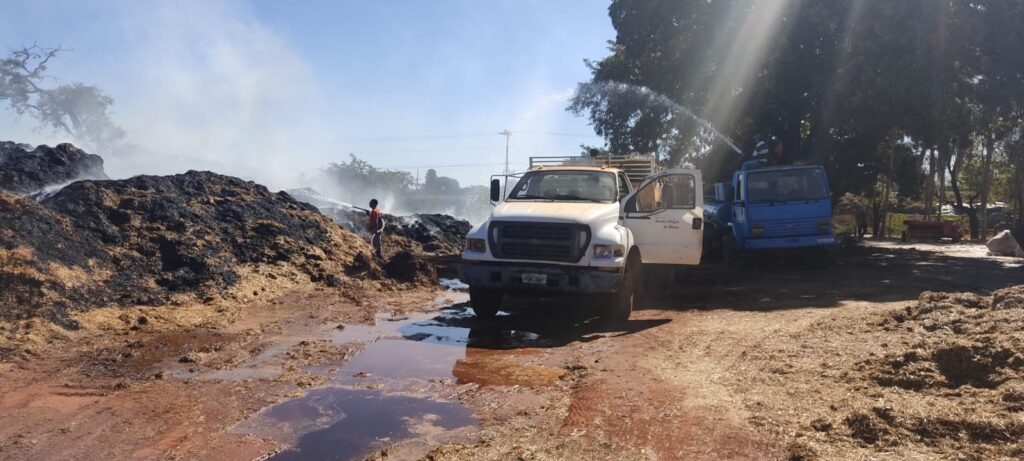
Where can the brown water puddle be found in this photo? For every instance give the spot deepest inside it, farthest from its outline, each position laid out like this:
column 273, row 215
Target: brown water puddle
column 340, row 423
column 393, row 390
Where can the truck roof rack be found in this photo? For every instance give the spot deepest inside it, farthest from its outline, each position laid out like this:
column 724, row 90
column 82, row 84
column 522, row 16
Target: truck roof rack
column 636, row 166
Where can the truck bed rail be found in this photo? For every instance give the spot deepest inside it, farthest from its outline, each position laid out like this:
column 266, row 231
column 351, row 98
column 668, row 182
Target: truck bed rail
column 637, row 167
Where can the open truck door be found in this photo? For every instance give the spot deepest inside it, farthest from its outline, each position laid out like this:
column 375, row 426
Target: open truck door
column 666, row 217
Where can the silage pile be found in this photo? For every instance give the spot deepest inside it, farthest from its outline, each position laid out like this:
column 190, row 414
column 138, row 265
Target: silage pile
column 25, row 170
column 154, row 240
column 438, row 234
column 961, row 376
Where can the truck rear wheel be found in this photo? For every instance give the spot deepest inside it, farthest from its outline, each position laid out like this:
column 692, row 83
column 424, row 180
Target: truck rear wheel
column 486, row 303
column 619, row 305
column 730, row 254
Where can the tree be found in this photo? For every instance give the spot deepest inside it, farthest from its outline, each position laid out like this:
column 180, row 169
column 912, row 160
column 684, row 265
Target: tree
column 695, row 53
column 999, row 86
column 78, row 110
column 446, row 185
column 358, row 181
column 430, row 179
column 440, row 184
column 859, row 86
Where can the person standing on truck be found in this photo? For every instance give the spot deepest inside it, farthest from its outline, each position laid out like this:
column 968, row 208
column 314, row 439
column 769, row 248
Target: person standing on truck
column 760, row 149
column 375, row 225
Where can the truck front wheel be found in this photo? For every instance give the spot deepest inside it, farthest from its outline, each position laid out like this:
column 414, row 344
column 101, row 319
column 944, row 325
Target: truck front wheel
column 619, row 305
column 486, row 303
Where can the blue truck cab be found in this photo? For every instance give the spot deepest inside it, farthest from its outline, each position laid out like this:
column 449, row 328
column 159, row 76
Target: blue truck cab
column 765, row 208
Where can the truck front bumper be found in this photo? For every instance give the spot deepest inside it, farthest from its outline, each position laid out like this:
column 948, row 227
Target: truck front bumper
column 780, row 243
column 560, row 279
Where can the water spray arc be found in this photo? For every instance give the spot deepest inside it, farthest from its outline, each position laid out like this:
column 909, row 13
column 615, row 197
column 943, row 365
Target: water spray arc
column 652, row 97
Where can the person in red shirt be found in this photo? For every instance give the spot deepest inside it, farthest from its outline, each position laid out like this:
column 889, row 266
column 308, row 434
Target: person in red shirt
column 376, row 227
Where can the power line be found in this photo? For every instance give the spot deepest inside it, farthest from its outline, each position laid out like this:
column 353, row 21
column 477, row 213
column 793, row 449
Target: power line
column 518, row 147
column 411, row 138
column 377, row 139
column 409, row 167
column 554, row 133
column 438, row 149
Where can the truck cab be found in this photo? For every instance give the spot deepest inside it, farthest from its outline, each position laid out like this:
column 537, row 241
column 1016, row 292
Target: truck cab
column 585, row 227
column 768, row 208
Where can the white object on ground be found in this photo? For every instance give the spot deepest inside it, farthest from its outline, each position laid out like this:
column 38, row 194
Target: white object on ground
column 454, row 284
column 1003, row 244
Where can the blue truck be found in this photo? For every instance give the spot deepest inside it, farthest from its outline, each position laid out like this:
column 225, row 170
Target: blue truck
column 771, row 209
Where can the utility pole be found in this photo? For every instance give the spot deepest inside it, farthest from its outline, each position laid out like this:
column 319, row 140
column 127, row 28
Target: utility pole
column 507, row 134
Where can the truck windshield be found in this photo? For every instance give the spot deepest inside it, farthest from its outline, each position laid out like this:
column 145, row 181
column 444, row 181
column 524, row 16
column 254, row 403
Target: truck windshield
column 587, row 186
column 786, row 185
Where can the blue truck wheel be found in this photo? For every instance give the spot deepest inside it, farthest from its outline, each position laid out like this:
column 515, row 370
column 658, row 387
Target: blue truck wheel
column 731, row 253
column 826, row 257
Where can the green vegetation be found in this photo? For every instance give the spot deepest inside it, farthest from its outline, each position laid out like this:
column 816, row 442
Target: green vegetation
column 918, row 99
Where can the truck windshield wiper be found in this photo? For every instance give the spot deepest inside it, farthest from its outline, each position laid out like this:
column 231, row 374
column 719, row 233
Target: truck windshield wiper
column 531, row 197
column 576, row 197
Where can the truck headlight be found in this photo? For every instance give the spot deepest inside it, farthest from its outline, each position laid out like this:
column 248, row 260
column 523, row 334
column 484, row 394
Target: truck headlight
column 757, row 230
column 824, row 226
column 608, row 251
column 476, row 245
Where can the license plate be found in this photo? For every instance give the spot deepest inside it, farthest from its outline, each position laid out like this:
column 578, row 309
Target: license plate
column 535, row 279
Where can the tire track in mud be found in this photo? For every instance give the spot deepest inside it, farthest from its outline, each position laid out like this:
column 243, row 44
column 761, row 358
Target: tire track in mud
column 627, row 405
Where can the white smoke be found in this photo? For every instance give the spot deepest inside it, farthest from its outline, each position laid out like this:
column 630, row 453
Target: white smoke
column 210, row 85
column 212, row 89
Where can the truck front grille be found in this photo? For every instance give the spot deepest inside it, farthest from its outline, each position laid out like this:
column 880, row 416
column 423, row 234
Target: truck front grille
column 790, row 228
column 539, row 241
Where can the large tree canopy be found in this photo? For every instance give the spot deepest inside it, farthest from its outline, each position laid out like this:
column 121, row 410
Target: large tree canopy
column 851, row 84
column 826, row 78
column 78, row 110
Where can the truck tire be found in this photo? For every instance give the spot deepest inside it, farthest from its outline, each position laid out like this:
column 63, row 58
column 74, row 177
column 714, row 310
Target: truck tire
column 486, row 303
column 730, row 254
column 619, row 305
column 826, row 257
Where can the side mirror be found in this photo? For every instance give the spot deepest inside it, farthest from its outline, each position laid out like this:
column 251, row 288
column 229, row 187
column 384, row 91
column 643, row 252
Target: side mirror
column 630, row 205
column 495, row 190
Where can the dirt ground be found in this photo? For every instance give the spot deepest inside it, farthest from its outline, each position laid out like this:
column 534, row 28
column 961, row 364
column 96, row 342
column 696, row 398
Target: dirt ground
column 776, row 363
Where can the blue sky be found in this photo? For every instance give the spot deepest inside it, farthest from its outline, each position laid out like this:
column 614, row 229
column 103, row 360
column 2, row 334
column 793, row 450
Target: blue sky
column 269, row 89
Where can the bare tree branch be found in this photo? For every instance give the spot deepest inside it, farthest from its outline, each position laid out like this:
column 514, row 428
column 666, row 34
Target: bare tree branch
column 79, row 110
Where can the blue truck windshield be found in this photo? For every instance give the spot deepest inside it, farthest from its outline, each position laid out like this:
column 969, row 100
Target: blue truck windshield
column 587, row 186
column 786, row 185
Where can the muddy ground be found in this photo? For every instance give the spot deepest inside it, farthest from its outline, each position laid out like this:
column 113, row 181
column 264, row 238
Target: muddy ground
column 779, row 363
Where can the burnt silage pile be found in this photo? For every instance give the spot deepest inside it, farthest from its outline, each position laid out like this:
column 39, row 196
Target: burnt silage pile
column 438, row 234
column 428, row 233
column 45, row 264
column 24, row 170
column 154, row 240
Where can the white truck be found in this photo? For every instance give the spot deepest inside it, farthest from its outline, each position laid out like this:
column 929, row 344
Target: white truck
column 583, row 226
